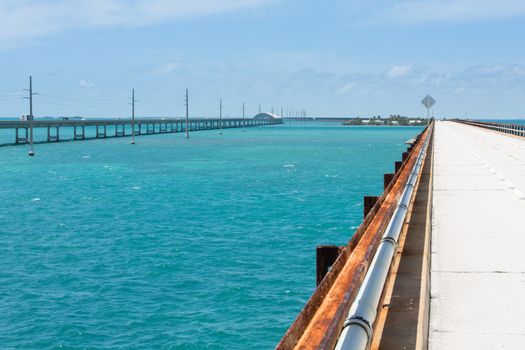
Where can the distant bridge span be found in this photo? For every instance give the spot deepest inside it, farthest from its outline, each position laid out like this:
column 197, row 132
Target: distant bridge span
column 91, row 129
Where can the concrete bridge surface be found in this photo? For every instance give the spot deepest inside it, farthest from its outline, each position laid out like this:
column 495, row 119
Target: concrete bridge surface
column 477, row 298
column 457, row 280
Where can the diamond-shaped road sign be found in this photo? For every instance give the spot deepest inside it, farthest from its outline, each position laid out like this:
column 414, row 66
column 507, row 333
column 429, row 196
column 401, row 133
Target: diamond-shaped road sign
column 428, row 101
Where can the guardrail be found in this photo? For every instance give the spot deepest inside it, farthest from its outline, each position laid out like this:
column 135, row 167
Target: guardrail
column 357, row 331
column 512, row 129
column 320, row 323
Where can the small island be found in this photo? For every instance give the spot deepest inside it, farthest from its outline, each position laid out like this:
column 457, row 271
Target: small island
column 394, row 119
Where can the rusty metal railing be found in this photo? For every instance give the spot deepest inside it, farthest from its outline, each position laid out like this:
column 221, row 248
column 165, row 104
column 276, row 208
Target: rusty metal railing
column 320, row 322
column 358, row 326
column 512, row 129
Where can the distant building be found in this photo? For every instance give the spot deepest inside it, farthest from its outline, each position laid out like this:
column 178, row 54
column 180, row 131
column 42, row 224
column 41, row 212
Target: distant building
column 266, row 115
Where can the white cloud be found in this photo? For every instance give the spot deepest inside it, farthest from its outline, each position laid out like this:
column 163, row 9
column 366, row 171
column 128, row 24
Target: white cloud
column 83, row 83
column 167, row 68
column 399, row 71
column 30, row 19
column 344, row 89
column 422, row 11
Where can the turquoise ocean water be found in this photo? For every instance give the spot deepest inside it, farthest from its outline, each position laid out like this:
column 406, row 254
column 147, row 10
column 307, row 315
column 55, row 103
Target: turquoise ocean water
column 175, row 244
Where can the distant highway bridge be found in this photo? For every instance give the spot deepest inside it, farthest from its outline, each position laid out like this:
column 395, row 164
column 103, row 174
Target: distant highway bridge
column 90, row 129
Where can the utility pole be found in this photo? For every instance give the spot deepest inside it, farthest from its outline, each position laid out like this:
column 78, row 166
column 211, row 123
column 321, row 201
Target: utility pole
column 187, row 115
column 132, row 116
column 30, row 98
column 220, row 116
column 259, row 108
column 243, row 119
column 281, row 111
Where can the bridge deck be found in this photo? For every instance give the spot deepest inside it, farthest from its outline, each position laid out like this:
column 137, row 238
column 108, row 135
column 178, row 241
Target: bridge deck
column 478, row 240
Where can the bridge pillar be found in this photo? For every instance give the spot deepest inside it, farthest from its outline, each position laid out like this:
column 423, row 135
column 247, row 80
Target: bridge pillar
column 51, row 138
column 398, row 166
column 325, row 258
column 19, row 139
column 387, row 179
column 369, row 202
column 78, row 136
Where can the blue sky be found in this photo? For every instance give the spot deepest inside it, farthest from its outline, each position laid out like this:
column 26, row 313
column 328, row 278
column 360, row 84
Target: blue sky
column 330, row 57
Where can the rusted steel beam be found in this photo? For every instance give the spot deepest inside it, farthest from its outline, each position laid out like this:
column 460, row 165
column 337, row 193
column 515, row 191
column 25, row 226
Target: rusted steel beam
column 325, row 258
column 368, row 204
column 319, row 323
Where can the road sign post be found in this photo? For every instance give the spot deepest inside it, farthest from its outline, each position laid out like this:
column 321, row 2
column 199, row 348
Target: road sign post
column 428, row 102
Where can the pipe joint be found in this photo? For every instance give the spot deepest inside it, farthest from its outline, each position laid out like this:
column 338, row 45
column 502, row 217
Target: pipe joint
column 390, row 240
column 360, row 322
column 403, row 205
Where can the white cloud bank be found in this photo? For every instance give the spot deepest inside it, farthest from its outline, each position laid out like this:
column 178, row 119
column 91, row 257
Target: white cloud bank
column 30, row 19
column 399, row 71
column 85, row 84
column 422, row 11
column 167, row 68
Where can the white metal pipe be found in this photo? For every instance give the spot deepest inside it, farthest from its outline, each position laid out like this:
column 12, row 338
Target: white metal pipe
column 357, row 330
